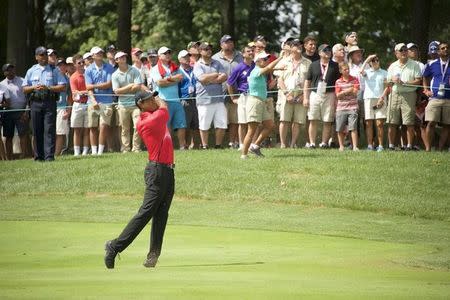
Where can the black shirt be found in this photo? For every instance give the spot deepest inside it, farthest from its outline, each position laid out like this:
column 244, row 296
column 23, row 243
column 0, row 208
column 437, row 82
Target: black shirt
column 313, row 57
column 315, row 75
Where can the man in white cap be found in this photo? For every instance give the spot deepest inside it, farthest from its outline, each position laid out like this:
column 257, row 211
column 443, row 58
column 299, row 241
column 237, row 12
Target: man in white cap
column 87, row 57
column 140, row 66
column 166, row 76
column 52, row 58
column 126, row 80
column 403, row 74
column 98, row 78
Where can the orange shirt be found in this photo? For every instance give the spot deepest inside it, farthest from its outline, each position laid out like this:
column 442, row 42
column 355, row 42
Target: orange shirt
column 77, row 83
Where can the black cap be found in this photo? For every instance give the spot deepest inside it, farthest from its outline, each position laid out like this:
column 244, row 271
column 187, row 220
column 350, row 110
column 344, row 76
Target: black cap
column 195, row 44
column 60, row 61
column 40, row 50
column 111, row 48
column 152, row 52
column 226, row 38
column 143, row 95
column 7, row 66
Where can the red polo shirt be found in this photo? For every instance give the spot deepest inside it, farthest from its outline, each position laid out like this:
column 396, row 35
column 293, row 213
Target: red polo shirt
column 152, row 127
column 77, row 83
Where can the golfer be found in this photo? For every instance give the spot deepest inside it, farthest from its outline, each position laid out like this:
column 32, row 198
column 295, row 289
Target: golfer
column 159, row 180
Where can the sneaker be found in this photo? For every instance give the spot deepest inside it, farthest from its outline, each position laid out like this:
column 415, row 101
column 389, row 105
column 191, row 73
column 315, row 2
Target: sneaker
column 151, row 260
column 244, row 156
column 355, row 149
column 310, row 146
column 380, row 148
column 390, row 148
column 416, row 148
column 110, row 255
column 370, row 148
column 204, row 147
column 408, row 149
column 323, row 146
column 256, row 151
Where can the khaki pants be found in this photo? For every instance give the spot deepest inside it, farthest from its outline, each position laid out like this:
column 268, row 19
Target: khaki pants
column 126, row 115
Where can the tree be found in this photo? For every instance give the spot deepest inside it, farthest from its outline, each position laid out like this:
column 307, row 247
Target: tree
column 17, row 50
column 227, row 12
column 124, row 25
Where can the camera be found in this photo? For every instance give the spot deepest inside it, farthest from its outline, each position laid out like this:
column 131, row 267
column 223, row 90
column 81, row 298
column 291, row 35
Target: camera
column 375, row 107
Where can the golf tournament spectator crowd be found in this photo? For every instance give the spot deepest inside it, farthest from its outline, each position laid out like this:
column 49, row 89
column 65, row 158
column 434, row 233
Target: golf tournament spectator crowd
column 247, row 99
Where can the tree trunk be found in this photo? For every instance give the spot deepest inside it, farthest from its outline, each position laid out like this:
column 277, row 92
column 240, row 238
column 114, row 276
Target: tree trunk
column 304, row 17
column 16, row 52
column 124, row 25
column 39, row 24
column 227, row 12
column 252, row 18
column 420, row 25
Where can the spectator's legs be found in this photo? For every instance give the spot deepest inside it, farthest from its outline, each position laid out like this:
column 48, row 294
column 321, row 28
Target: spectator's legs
column 181, row 134
column 369, row 132
column 341, row 138
column 77, row 135
column 136, row 138
column 125, row 121
column 326, row 133
column 295, row 133
column 2, row 149
column 312, row 131
column 410, row 133
column 355, row 140
column 380, row 131
column 93, row 137
column 103, row 137
column 220, row 134
column 204, row 137
column 60, row 143
column 242, row 132
column 251, row 129
column 284, row 126
column 233, row 132
column 392, row 132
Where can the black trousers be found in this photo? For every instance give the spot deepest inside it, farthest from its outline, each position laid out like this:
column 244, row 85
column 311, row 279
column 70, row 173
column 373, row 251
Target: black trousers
column 43, row 118
column 159, row 190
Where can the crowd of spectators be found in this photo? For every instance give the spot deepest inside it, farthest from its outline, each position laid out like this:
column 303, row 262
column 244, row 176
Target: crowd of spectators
column 84, row 104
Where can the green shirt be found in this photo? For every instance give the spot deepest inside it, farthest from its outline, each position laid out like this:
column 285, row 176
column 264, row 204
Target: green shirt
column 120, row 79
column 257, row 84
column 408, row 72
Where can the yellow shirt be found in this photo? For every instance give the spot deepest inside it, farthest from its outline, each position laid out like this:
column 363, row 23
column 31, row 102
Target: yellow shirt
column 408, row 72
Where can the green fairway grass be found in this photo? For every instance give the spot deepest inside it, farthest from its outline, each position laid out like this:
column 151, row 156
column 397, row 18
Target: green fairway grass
column 61, row 260
column 297, row 224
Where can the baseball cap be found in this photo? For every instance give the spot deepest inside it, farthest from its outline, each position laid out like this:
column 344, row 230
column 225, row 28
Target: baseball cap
column 96, row 50
column 163, row 50
column 182, row 53
column 51, row 51
column 251, row 44
column 226, row 38
column 69, row 60
column 40, row 50
column 136, row 50
column 7, row 66
column 144, row 95
column 399, row 46
column 143, row 55
column 119, row 54
column 433, row 47
column 193, row 44
column 60, row 61
column 87, row 55
column 111, row 48
column 261, row 55
column 152, row 52
column 411, row 45
column 205, row 45
column 325, row 47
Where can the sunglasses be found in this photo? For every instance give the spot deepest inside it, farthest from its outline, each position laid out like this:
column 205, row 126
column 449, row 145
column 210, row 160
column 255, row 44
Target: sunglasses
column 375, row 60
column 403, row 50
column 80, row 63
column 443, row 48
column 167, row 52
column 43, row 54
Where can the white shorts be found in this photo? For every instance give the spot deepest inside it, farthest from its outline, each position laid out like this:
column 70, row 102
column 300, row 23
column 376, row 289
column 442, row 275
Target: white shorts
column 207, row 113
column 79, row 118
column 62, row 125
column 374, row 114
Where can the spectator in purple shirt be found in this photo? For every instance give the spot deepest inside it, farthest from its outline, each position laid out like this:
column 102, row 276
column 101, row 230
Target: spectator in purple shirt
column 237, row 84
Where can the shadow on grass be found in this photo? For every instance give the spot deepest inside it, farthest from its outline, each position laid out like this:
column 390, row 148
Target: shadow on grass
column 216, row 265
column 308, row 155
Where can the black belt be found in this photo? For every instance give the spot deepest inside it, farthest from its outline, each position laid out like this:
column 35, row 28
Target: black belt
column 155, row 163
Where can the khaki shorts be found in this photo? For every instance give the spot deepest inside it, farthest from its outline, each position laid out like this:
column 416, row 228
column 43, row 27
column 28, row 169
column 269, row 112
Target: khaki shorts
column 93, row 117
column 322, row 108
column 62, row 125
column 438, row 110
column 106, row 114
column 258, row 110
column 242, row 116
column 291, row 112
column 232, row 113
column 374, row 114
column 402, row 109
column 79, row 117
